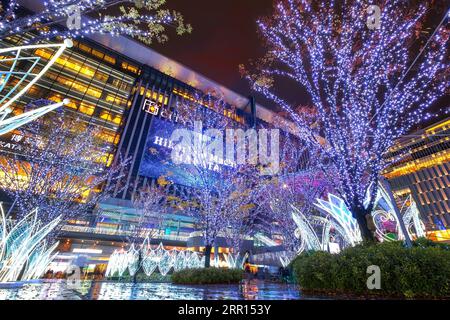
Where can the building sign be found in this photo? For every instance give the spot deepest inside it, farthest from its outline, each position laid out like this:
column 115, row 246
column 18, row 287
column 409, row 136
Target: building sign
column 157, row 157
column 153, row 107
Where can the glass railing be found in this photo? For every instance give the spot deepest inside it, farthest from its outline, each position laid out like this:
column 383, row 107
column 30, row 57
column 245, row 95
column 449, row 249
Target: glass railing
column 107, row 231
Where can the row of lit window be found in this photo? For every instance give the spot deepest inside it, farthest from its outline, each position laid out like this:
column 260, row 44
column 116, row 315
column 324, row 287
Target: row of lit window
column 442, row 126
column 429, row 175
column 89, row 109
column 411, row 167
column 100, row 55
column 85, row 70
column 420, row 149
column 106, row 135
column 83, row 107
column 435, row 208
column 412, row 144
column 155, row 96
column 432, row 196
column 79, row 87
column 89, row 90
column 73, row 65
column 226, row 113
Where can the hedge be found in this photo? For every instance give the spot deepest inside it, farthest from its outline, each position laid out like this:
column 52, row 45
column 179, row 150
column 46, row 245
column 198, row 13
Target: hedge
column 207, row 276
column 140, row 277
column 420, row 271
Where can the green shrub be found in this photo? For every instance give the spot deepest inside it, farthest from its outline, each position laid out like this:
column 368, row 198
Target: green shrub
column 207, row 276
column 421, row 271
column 140, row 277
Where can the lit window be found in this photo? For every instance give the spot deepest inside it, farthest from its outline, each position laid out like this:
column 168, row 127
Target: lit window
column 116, row 100
column 84, row 47
column 106, row 115
column 98, row 54
column 110, row 59
column 86, row 108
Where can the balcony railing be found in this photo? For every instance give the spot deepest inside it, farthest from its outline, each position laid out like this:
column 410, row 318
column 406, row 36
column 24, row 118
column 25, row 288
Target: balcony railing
column 106, row 231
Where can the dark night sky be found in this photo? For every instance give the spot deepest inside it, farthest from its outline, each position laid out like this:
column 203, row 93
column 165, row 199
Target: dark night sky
column 224, row 36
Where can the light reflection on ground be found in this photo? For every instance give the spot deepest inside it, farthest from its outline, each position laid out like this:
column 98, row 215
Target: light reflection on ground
column 59, row 290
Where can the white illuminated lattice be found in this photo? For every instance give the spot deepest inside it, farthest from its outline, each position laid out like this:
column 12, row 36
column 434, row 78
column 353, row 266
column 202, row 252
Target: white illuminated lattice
column 345, row 229
column 24, row 253
column 158, row 259
column 338, row 211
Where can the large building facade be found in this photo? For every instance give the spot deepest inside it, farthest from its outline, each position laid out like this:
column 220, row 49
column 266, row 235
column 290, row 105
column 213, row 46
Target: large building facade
column 130, row 93
column 421, row 167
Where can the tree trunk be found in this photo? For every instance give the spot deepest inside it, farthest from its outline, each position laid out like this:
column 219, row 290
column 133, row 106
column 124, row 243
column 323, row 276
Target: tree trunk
column 208, row 248
column 362, row 217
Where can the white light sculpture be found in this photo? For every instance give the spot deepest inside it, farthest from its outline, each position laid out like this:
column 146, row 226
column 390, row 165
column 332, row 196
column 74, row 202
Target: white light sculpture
column 386, row 214
column 412, row 220
column 305, row 232
column 132, row 259
column 339, row 212
column 24, row 253
column 345, row 228
column 10, row 57
column 39, row 261
column 382, row 214
column 152, row 259
column 235, row 260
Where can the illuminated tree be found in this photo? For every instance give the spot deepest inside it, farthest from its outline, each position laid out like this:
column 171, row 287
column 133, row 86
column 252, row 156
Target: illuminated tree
column 298, row 185
column 218, row 197
column 216, row 207
column 60, row 169
column 145, row 20
column 150, row 202
column 367, row 86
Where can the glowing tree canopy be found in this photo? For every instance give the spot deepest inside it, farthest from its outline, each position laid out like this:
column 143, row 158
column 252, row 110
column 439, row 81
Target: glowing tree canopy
column 367, row 86
column 64, row 164
column 338, row 211
column 10, row 58
column 145, row 20
column 24, row 253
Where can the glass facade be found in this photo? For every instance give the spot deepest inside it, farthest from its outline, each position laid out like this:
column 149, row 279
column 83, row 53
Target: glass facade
column 155, row 95
column 95, row 82
column 420, row 166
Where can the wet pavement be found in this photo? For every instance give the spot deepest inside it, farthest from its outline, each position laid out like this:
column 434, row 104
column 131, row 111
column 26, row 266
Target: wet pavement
column 102, row 290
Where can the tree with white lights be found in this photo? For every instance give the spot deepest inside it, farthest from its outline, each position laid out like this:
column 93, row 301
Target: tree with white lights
column 151, row 203
column 243, row 212
column 60, row 169
column 298, row 185
column 218, row 208
column 370, row 79
column 145, row 20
